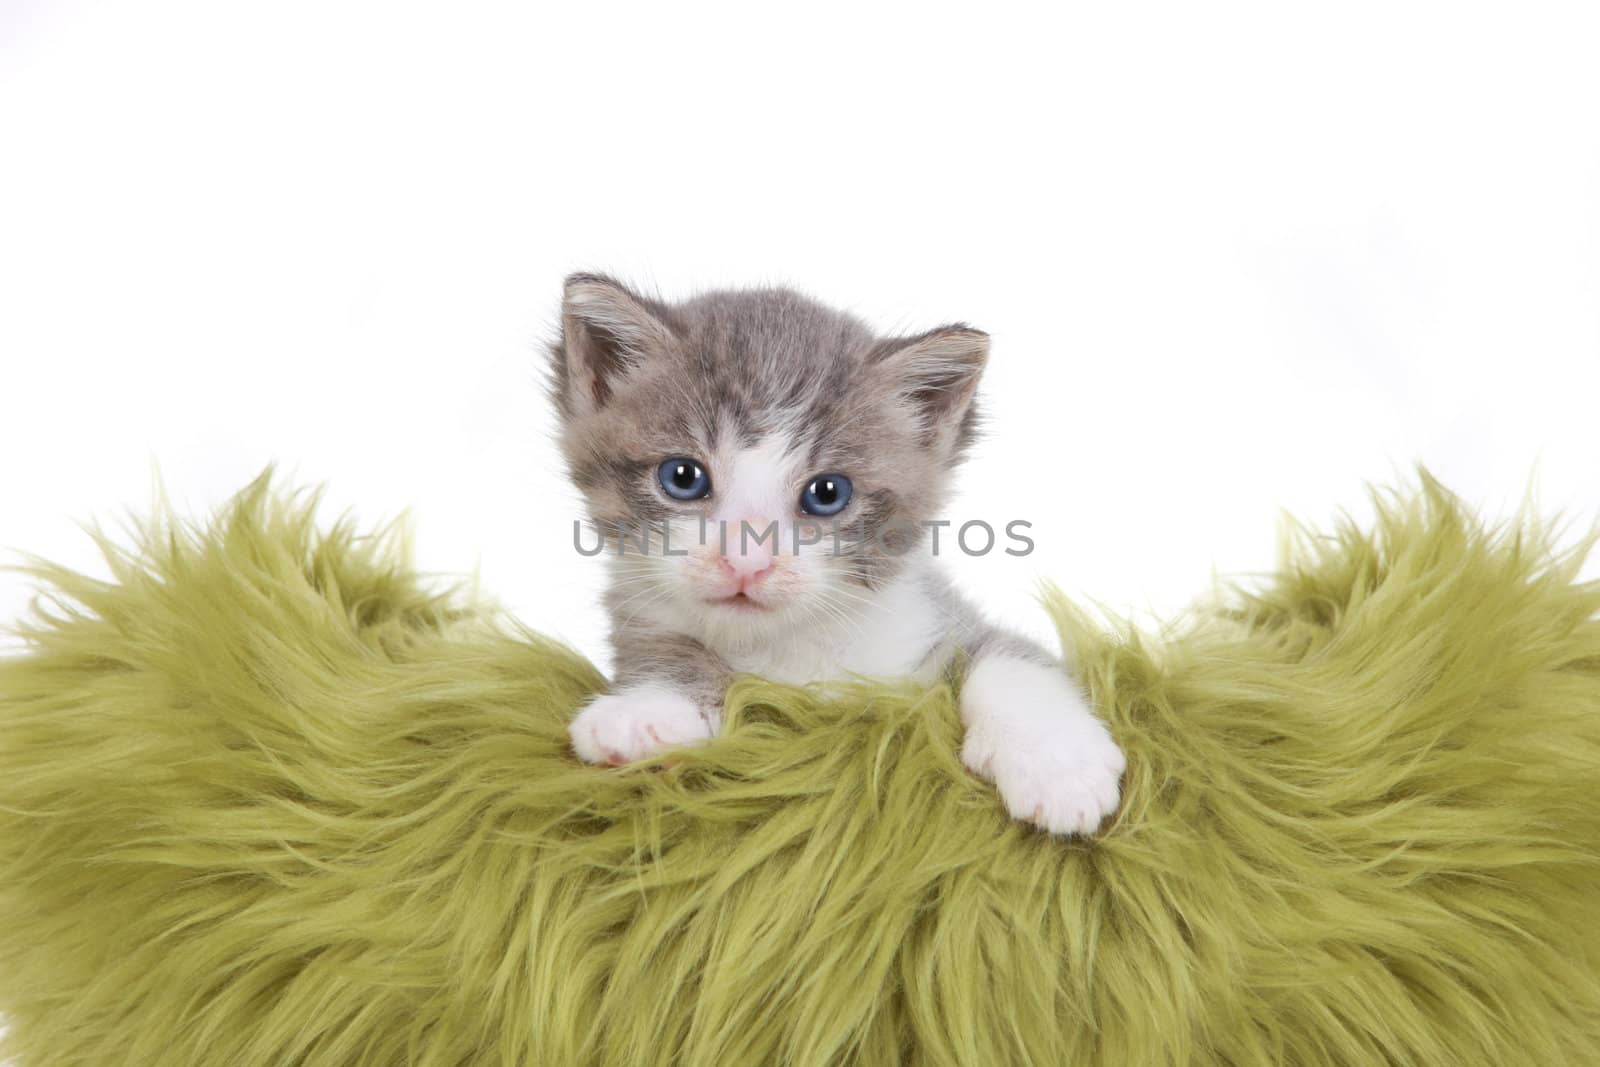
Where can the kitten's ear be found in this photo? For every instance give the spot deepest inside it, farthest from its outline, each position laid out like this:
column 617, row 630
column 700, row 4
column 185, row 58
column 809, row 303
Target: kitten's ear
column 606, row 330
column 937, row 372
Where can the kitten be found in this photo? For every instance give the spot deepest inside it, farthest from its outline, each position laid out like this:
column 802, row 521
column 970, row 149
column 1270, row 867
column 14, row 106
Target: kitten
column 711, row 421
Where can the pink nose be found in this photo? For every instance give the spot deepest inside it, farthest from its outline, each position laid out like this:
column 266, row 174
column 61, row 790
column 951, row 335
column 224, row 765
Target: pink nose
column 749, row 569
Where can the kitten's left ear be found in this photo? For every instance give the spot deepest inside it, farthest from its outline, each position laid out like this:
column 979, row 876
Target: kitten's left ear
column 606, row 330
column 937, row 372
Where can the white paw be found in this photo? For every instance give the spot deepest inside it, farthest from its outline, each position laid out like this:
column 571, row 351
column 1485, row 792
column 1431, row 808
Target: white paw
column 1030, row 732
column 635, row 723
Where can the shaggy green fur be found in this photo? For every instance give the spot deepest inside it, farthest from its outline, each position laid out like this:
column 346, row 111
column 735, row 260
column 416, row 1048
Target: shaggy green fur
column 266, row 799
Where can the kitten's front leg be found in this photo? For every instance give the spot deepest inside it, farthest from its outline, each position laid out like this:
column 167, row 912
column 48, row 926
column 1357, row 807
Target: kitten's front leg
column 637, row 722
column 1031, row 732
column 668, row 694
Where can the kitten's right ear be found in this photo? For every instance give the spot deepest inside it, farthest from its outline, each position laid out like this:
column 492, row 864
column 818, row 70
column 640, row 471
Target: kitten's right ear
column 606, row 331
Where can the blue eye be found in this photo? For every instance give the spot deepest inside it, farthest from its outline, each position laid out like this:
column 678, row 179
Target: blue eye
column 826, row 495
column 683, row 478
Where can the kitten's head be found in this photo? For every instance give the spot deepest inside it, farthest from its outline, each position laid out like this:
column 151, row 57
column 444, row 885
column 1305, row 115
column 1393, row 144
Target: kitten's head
column 764, row 408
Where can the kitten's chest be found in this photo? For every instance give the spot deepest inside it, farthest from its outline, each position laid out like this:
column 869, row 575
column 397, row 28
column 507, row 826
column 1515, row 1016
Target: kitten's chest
column 893, row 640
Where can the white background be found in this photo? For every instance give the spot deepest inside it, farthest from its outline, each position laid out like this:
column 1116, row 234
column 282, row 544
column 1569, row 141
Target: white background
column 1234, row 260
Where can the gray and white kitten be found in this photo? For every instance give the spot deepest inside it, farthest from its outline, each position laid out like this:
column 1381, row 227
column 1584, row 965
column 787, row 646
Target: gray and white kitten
column 712, row 420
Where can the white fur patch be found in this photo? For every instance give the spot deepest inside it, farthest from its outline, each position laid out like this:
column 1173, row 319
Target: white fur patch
column 635, row 723
column 883, row 633
column 1030, row 731
column 753, row 485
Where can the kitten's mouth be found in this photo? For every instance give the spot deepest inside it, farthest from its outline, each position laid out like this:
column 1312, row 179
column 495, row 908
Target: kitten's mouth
column 739, row 602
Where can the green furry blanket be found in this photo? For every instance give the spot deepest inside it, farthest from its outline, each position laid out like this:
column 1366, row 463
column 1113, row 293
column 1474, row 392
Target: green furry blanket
column 267, row 799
